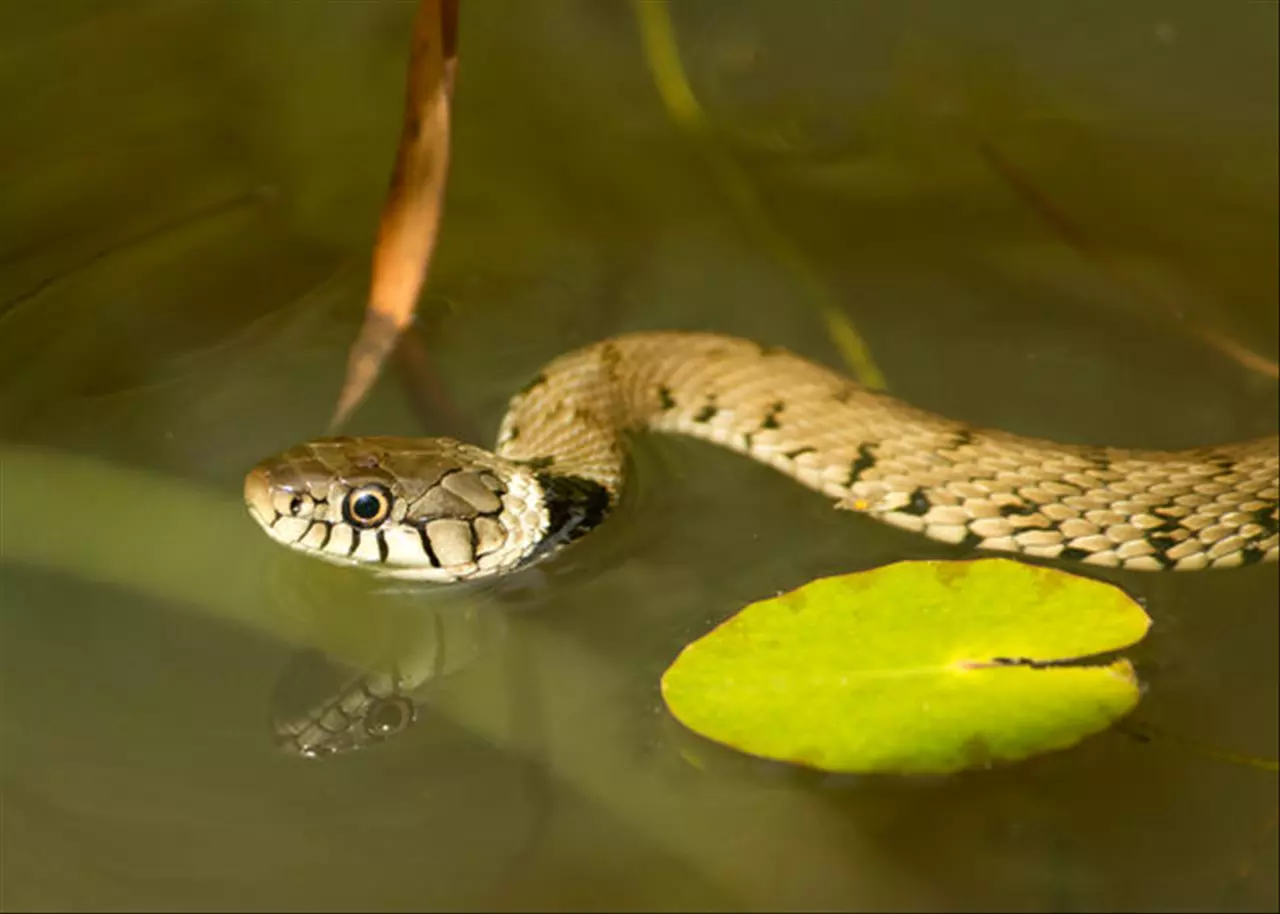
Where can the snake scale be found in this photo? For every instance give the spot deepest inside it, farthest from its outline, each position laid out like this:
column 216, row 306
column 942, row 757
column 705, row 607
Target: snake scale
column 436, row 509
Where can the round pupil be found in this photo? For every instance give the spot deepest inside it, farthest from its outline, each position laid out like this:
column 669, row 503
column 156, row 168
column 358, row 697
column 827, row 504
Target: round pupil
column 366, row 506
column 386, row 718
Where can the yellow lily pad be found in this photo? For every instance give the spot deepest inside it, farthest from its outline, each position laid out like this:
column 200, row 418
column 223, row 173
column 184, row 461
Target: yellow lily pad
column 915, row 667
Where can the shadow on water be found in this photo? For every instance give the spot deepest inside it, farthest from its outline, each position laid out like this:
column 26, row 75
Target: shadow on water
column 159, row 337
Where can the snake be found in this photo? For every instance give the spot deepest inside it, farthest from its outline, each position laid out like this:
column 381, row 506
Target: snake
column 442, row 510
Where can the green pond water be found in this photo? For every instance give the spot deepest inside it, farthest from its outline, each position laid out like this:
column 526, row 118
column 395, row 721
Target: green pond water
column 1028, row 210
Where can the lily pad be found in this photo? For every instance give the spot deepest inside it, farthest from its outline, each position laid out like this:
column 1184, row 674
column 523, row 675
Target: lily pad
column 915, row 667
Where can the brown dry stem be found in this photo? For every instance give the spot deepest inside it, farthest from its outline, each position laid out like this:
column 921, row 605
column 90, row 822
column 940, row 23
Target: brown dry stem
column 410, row 221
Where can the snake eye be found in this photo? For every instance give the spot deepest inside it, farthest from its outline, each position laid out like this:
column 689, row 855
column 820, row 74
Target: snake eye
column 295, row 505
column 367, row 506
column 388, row 716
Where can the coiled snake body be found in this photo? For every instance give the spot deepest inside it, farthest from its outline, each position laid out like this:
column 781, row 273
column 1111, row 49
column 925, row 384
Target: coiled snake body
column 441, row 510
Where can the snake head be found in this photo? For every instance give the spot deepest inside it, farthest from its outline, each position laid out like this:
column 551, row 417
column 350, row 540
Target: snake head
column 426, row 509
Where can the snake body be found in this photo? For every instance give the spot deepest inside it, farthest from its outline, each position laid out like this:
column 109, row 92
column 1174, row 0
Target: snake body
column 438, row 509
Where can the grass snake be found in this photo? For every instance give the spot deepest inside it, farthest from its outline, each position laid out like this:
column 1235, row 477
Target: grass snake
column 435, row 509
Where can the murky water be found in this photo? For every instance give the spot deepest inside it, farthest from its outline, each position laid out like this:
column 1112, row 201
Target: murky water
column 190, row 193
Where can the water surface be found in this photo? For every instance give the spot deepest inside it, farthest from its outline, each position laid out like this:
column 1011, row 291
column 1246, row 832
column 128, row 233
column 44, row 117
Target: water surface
column 191, row 191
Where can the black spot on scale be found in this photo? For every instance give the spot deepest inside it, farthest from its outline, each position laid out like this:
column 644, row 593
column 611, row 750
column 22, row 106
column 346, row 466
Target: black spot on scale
column 866, row 460
column 1100, row 460
column 426, row 547
column 514, row 433
column 962, row 437
column 575, row 506
column 707, row 413
column 665, row 400
column 539, row 463
column 771, row 417
column 1251, row 554
column 1017, row 510
column 1162, row 531
column 536, row 381
column 971, row 541
column 383, row 552
column 1073, row 554
column 792, row 455
column 1266, row 517
column 918, row 505
column 1165, row 536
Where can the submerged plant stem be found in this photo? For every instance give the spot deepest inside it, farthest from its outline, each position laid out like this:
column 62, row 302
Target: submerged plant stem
column 663, row 55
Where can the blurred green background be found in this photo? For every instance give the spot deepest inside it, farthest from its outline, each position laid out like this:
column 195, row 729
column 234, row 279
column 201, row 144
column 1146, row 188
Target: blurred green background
column 190, row 191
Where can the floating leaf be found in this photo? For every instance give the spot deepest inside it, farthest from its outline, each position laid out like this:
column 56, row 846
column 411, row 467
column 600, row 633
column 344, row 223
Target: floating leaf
column 916, row 667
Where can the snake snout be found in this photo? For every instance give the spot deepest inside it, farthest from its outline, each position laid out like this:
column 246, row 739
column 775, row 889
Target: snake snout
column 257, row 495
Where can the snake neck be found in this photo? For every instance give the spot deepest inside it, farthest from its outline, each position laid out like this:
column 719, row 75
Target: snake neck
column 575, row 506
